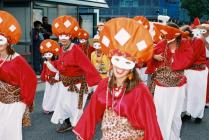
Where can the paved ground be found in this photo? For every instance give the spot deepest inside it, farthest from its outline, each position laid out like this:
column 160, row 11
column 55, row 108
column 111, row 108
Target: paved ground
column 42, row 129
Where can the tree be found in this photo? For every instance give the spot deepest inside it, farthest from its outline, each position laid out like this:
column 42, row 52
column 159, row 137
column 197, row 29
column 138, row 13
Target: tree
column 196, row 8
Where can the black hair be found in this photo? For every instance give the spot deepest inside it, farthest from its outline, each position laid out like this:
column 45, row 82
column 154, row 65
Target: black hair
column 36, row 23
column 44, row 17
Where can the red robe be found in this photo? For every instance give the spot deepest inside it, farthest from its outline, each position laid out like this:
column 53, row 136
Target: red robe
column 86, row 50
column 199, row 52
column 75, row 63
column 46, row 73
column 17, row 72
column 181, row 58
column 137, row 106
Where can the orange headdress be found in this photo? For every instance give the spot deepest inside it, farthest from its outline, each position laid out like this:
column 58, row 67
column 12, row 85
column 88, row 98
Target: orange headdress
column 143, row 20
column 125, row 37
column 49, row 45
column 9, row 27
column 65, row 25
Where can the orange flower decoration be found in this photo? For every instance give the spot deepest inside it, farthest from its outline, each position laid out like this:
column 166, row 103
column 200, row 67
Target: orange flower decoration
column 143, row 20
column 10, row 27
column 49, row 45
column 128, row 37
column 83, row 34
column 65, row 25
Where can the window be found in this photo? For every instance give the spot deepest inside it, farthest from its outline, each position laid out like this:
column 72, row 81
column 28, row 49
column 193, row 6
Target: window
column 129, row 3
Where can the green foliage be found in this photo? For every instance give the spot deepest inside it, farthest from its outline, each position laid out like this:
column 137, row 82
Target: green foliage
column 196, row 8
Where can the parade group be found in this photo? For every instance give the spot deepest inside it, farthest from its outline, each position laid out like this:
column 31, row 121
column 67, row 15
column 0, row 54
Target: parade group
column 143, row 78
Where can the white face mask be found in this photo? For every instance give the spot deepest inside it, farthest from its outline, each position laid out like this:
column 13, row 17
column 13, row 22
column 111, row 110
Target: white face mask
column 3, row 40
column 207, row 39
column 97, row 45
column 82, row 40
column 48, row 55
column 198, row 32
column 122, row 63
column 61, row 37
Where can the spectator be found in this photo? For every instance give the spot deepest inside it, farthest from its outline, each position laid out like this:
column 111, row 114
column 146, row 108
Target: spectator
column 47, row 28
column 37, row 38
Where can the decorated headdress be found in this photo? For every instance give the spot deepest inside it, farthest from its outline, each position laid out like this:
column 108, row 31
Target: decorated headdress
column 10, row 30
column 155, row 33
column 65, row 26
column 169, row 32
column 143, row 20
column 49, row 46
column 83, row 34
column 126, row 41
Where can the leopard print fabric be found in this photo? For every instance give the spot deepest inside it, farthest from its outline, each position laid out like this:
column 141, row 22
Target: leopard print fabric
column 115, row 127
column 165, row 76
column 71, row 82
column 51, row 80
column 11, row 94
column 168, row 78
column 198, row 67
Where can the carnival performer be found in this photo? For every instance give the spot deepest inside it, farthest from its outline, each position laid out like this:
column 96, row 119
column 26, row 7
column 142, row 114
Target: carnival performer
column 76, row 73
column 122, row 102
column 99, row 59
column 49, row 50
column 196, row 91
column 171, row 56
column 83, row 37
column 17, row 82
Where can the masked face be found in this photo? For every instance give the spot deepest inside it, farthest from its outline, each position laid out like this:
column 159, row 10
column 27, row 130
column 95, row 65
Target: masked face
column 3, row 43
column 64, row 40
column 207, row 39
column 122, row 63
column 48, row 55
column 97, row 45
column 198, row 32
column 82, row 41
column 3, row 40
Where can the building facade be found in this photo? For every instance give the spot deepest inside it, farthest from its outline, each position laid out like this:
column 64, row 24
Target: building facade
column 28, row 11
column 149, row 8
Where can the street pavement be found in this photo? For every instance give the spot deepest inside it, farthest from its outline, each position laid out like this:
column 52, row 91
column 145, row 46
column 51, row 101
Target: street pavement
column 43, row 129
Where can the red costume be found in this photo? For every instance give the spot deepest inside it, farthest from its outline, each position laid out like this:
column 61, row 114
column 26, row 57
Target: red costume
column 47, row 74
column 139, row 113
column 87, row 50
column 199, row 52
column 18, row 73
column 178, row 61
column 75, row 63
column 124, row 114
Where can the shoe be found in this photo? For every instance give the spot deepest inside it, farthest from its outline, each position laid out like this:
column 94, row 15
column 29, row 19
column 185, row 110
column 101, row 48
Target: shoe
column 198, row 120
column 64, row 127
column 186, row 118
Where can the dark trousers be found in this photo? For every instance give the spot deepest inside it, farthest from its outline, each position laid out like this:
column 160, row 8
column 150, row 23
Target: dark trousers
column 37, row 61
